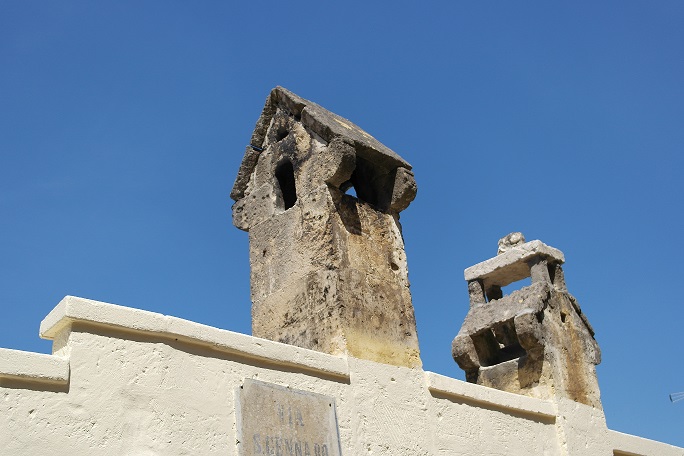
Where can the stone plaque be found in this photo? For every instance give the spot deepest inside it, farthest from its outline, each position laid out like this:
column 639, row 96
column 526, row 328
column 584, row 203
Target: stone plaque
column 279, row 421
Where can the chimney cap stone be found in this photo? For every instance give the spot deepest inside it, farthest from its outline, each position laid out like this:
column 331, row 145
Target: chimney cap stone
column 511, row 266
column 327, row 125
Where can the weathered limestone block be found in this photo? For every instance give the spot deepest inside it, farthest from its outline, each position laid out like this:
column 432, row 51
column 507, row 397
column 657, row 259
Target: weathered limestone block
column 509, row 241
column 328, row 270
column 336, row 165
column 255, row 208
column 511, row 265
column 404, row 190
column 535, row 341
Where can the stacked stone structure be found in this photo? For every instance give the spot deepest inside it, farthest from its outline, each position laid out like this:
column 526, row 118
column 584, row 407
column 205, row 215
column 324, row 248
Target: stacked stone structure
column 328, row 269
column 535, row 341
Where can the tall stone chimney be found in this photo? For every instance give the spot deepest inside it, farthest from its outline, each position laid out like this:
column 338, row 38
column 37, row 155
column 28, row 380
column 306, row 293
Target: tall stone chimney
column 535, row 341
column 328, row 269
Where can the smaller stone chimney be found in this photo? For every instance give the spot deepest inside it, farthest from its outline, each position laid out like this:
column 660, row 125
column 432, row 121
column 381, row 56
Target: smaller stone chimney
column 535, row 341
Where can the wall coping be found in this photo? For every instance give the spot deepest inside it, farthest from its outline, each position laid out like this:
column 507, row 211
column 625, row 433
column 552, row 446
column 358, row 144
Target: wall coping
column 53, row 371
column 632, row 445
column 489, row 397
column 34, row 367
column 72, row 310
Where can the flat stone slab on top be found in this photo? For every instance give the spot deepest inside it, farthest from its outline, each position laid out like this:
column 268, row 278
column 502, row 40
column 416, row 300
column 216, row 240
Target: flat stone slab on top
column 326, row 124
column 512, row 266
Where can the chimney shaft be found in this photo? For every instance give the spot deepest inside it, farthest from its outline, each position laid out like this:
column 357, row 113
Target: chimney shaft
column 328, row 269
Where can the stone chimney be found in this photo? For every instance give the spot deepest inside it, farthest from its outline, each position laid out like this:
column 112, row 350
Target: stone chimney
column 328, row 269
column 535, row 341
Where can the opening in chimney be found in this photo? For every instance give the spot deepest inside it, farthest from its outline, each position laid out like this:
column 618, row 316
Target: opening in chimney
column 286, row 181
column 370, row 183
column 515, row 286
column 348, row 189
column 498, row 344
column 281, row 133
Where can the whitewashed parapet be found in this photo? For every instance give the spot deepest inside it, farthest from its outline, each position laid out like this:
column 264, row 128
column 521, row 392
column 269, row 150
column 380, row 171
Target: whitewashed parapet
column 629, row 445
column 33, row 367
column 78, row 310
column 490, row 397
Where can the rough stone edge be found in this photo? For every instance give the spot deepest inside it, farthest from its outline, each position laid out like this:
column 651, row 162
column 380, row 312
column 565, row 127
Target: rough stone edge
column 490, row 397
column 33, row 367
column 320, row 120
column 73, row 309
column 328, row 125
column 515, row 255
column 627, row 444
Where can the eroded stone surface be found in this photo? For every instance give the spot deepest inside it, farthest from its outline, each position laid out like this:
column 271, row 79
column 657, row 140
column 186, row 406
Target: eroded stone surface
column 328, row 270
column 535, row 341
column 509, row 241
column 317, row 120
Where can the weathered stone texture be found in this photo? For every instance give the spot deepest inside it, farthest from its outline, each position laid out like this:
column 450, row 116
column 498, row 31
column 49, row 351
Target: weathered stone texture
column 509, row 241
column 535, row 341
column 328, row 270
column 511, row 265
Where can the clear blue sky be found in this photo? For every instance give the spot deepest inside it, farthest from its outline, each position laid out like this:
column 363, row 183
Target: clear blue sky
column 122, row 126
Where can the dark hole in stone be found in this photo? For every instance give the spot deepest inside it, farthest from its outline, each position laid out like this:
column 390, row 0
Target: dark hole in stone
column 281, row 133
column 552, row 272
column 394, row 266
column 286, row 181
column 563, row 317
column 494, row 292
column 498, row 344
column 371, row 183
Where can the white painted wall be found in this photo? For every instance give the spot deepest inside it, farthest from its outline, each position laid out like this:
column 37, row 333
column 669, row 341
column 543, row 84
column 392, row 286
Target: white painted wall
column 127, row 382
